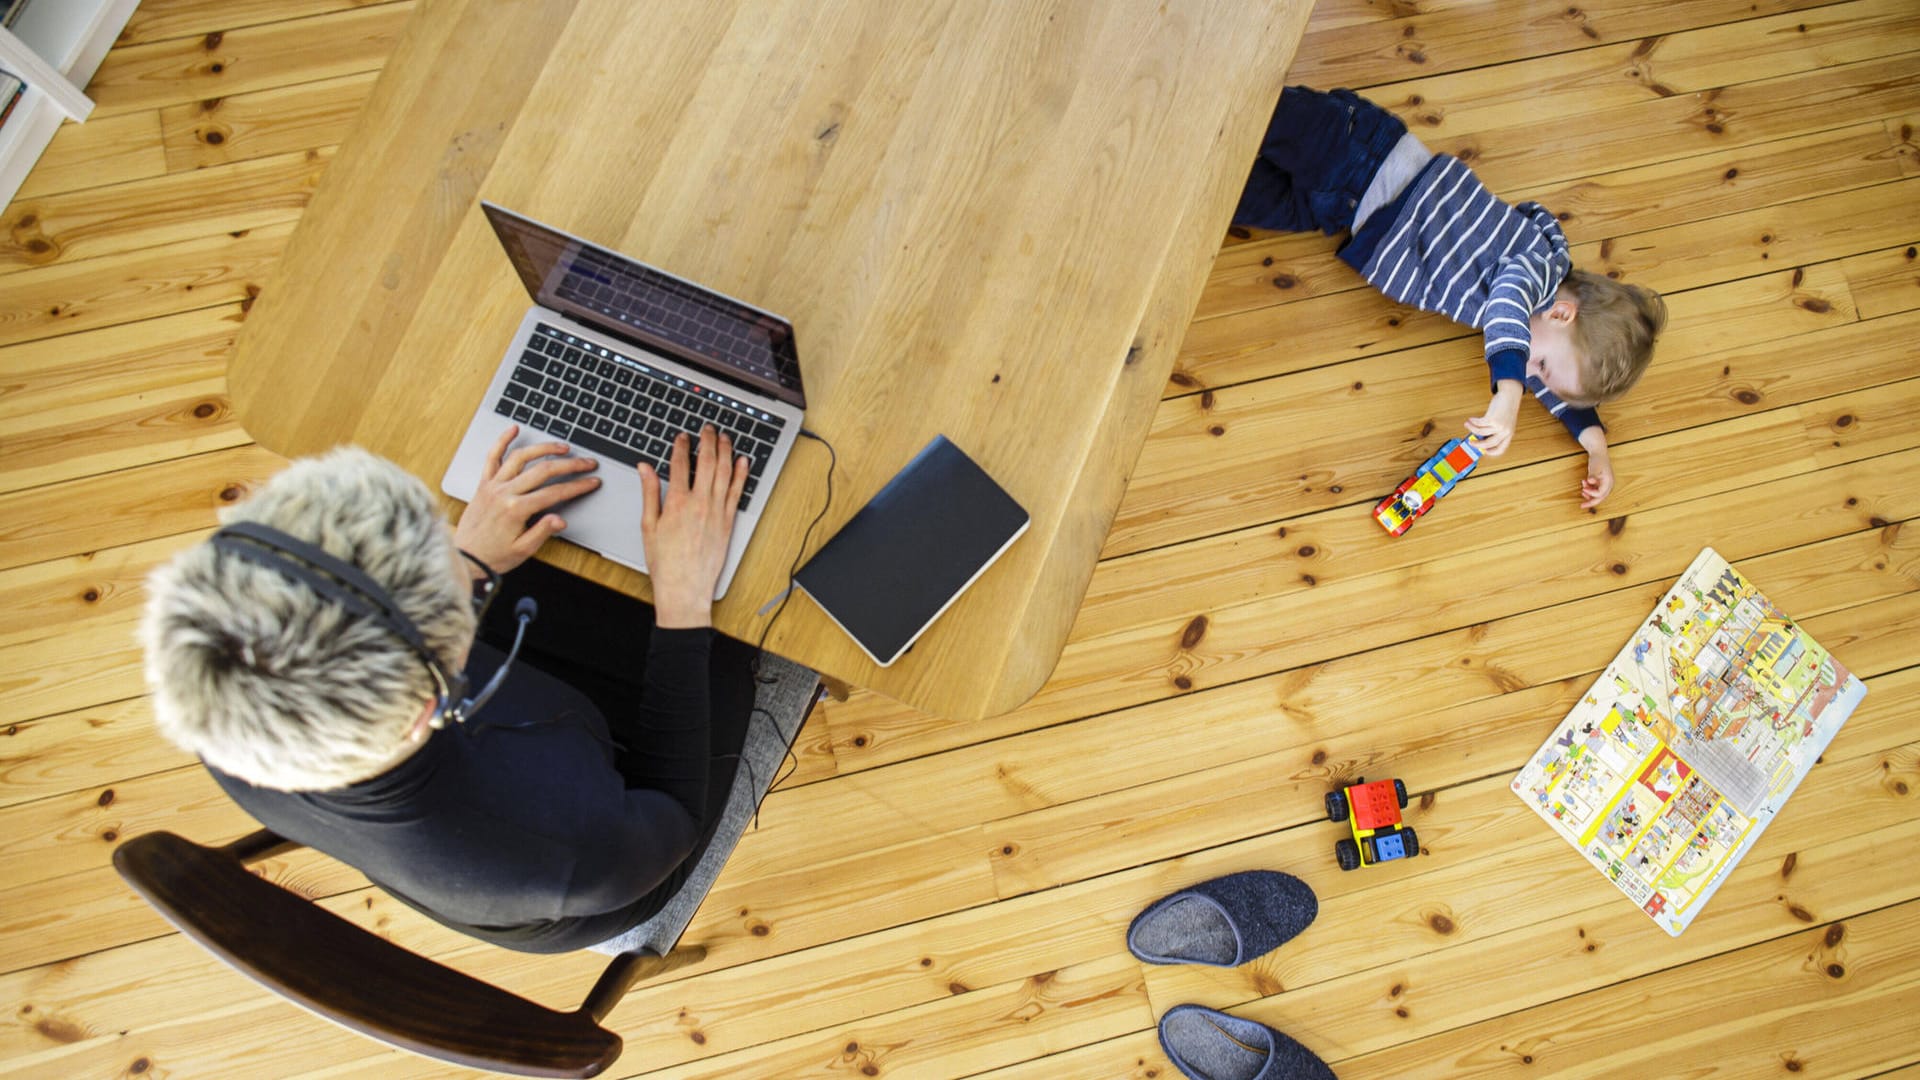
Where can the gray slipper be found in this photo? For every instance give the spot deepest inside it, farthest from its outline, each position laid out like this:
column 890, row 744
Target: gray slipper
column 1224, row 922
column 1207, row 1044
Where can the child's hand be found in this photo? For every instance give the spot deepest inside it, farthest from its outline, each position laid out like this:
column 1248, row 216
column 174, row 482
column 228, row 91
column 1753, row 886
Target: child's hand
column 1495, row 428
column 1599, row 481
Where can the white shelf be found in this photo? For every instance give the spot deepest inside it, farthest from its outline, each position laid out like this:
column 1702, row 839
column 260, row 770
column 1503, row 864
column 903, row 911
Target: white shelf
column 72, row 35
column 54, row 47
column 25, row 136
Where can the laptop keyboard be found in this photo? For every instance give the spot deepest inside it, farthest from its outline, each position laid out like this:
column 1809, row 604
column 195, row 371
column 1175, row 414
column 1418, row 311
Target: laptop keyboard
column 625, row 409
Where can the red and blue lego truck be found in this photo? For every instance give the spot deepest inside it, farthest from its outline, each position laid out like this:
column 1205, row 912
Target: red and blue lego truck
column 1373, row 812
column 1434, row 478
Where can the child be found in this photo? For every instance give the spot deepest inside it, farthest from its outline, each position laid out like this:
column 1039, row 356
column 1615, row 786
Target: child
column 1427, row 233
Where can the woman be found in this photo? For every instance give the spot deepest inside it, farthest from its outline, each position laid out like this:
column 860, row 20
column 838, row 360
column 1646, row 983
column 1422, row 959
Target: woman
column 315, row 654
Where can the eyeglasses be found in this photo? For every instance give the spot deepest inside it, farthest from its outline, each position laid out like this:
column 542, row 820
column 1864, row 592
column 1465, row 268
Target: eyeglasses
column 484, row 588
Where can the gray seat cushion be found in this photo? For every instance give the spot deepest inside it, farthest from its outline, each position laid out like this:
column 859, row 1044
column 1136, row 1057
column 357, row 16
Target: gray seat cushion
column 780, row 707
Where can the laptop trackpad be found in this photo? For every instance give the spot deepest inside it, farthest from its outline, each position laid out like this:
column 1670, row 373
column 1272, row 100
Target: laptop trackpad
column 608, row 518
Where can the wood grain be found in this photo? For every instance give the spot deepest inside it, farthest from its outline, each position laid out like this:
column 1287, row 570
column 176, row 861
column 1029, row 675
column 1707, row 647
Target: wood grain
column 1516, row 159
column 158, row 20
column 902, row 203
column 237, row 58
column 163, row 499
column 1360, row 43
column 1689, row 68
column 138, row 395
column 102, row 151
column 1479, row 660
column 1843, row 983
column 949, row 897
column 277, row 120
column 1379, row 434
column 128, row 217
column 69, row 297
column 1885, row 281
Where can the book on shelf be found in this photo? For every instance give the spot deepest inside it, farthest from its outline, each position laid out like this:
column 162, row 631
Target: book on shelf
column 11, row 90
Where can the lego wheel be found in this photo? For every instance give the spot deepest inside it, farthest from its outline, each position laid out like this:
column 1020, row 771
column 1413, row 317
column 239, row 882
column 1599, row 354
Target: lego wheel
column 1348, row 853
column 1400, row 792
column 1336, row 806
column 1411, row 841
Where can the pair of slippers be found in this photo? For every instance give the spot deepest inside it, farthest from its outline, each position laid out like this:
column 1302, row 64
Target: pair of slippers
column 1224, row 923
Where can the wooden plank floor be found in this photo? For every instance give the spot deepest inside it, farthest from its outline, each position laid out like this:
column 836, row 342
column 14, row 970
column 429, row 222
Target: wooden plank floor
column 932, row 899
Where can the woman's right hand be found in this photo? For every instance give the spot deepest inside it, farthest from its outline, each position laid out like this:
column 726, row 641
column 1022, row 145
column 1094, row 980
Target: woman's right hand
column 509, row 517
column 687, row 528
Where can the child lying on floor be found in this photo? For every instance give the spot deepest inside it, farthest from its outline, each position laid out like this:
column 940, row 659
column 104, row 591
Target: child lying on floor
column 1428, row 234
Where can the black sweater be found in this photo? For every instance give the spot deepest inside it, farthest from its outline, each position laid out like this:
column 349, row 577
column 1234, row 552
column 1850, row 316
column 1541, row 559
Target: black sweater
column 528, row 825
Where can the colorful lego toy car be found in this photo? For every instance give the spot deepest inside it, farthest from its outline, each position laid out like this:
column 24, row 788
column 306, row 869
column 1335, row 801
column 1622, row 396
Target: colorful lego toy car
column 1417, row 494
column 1373, row 812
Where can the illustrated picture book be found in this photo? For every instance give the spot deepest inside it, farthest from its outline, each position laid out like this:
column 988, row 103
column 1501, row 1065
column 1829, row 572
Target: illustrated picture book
column 1669, row 768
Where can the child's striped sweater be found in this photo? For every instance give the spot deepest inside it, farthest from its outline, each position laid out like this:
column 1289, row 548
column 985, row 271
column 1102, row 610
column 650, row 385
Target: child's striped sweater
column 1449, row 246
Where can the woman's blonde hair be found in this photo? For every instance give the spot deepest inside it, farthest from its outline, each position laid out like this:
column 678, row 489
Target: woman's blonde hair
column 269, row 681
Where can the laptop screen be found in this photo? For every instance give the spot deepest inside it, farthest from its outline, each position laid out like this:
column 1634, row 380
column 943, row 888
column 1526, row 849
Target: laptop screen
column 650, row 307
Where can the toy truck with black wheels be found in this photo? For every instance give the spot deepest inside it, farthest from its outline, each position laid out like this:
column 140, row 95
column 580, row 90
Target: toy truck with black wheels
column 1435, row 477
column 1372, row 811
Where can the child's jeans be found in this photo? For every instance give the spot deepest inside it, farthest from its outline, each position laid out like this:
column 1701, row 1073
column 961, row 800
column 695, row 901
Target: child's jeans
column 1320, row 153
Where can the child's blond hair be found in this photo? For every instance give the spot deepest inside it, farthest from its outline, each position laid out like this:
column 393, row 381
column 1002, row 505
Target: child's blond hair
column 1614, row 332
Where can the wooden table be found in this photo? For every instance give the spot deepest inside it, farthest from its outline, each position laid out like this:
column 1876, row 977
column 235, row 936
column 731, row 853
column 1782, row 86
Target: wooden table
column 985, row 218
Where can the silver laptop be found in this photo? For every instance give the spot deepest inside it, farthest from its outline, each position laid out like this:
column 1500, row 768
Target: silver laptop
column 616, row 358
